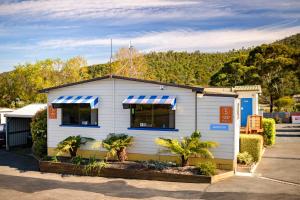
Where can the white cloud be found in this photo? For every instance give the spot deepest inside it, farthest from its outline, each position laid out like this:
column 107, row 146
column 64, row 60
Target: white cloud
column 182, row 40
column 108, row 9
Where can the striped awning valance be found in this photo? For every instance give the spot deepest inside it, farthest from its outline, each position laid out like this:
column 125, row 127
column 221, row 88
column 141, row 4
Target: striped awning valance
column 171, row 100
column 92, row 100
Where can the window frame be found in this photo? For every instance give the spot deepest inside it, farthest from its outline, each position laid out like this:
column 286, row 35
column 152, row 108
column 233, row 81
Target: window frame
column 78, row 117
column 152, row 128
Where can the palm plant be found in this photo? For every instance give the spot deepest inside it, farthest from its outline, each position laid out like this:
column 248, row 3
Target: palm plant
column 187, row 147
column 71, row 144
column 116, row 144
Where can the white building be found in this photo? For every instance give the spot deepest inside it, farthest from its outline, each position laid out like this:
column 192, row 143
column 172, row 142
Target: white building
column 18, row 125
column 4, row 111
column 145, row 110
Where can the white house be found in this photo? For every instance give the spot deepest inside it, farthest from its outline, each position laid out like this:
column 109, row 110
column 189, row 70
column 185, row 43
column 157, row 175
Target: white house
column 145, row 110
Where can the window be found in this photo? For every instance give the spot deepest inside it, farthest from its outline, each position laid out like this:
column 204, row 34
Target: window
column 79, row 114
column 152, row 116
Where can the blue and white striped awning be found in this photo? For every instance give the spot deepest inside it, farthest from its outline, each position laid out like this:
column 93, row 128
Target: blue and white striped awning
column 92, row 100
column 171, row 100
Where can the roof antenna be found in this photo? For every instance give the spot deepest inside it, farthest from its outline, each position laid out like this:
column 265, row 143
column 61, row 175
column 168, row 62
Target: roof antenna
column 110, row 59
column 130, row 56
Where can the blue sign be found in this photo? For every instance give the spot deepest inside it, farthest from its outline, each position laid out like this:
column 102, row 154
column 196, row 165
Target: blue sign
column 219, row 127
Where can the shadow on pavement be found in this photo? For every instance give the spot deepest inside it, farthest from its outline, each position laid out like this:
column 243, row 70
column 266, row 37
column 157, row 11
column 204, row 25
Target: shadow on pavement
column 20, row 162
column 115, row 188
column 119, row 188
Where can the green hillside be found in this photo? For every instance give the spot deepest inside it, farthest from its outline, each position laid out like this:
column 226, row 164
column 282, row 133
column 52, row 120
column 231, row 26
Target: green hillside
column 279, row 60
column 291, row 41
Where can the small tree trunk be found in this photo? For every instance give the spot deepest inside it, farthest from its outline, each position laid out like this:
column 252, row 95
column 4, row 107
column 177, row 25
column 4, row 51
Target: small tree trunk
column 73, row 152
column 271, row 103
column 122, row 155
column 184, row 162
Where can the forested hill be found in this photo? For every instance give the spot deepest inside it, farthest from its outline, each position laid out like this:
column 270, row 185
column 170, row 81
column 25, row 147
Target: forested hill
column 292, row 41
column 20, row 86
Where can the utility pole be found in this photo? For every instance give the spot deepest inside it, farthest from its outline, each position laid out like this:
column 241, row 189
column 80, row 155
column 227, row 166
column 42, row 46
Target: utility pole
column 130, row 59
column 110, row 60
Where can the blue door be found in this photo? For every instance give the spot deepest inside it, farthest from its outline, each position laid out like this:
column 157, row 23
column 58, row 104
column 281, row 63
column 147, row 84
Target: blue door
column 246, row 109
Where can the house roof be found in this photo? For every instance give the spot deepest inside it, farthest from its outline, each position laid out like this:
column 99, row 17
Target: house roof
column 6, row 110
column 27, row 111
column 247, row 88
column 195, row 89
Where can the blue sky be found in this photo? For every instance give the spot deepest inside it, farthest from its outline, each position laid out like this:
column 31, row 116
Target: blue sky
column 33, row 30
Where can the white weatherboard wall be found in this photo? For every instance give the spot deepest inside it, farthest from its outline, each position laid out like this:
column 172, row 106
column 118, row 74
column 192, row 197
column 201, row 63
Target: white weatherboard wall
column 209, row 113
column 113, row 118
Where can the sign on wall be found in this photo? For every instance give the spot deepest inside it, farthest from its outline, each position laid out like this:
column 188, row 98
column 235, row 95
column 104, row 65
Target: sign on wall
column 52, row 112
column 218, row 127
column 226, row 114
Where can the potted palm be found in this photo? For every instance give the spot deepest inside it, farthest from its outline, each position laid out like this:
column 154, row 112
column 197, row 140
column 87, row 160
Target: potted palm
column 116, row 144
column 71, row 144
column 187, row 147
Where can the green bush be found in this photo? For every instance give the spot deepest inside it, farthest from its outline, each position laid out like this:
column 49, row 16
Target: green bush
column 269, row 131
column 187, row 147
column 94, row 166
column 207, row 168
column 245, row 158
column 77, row 160
column 39, row 133
column 116, row 144
column 285, row 104
column 71, row 144
column 252, row 143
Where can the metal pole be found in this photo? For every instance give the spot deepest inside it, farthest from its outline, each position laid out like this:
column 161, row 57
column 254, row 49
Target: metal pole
column 6, row 134
column 110, row 60
column 196, row 112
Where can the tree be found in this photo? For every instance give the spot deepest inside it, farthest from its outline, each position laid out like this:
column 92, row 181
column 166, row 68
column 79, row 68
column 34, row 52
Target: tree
column 272, row 63
column 74, row 70
column 273, row 66
column 38, row 128
column 130, row 63
column 116, row 144
column 187, row 147
column 285, row 104
column 71, row 144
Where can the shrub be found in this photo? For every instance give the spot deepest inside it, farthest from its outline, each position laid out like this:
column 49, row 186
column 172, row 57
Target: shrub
column 71, row 144
column 285, row 104
column 188, row 147
column 116, row 144
column 158, row 165
column 245, row 158
column 252, row 143
column 207, row 168
column 77, row 160
column 38, row 128
column 269, row 133
column 94, row 166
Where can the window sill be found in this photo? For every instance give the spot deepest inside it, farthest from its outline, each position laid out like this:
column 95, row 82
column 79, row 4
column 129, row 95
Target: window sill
column 81, row 126
column 154, row 129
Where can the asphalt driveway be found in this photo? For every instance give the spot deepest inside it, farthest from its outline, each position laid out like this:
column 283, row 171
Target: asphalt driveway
column 20, row 179
column 282, row 161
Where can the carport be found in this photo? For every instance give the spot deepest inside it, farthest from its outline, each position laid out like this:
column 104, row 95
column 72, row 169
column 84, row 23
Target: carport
column 18, row 125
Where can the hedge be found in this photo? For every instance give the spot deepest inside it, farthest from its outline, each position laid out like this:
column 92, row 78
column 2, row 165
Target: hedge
column 269, row 131
column 253, row 144
column 39, row 133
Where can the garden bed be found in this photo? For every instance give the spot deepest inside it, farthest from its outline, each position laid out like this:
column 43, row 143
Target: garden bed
column 134, row 170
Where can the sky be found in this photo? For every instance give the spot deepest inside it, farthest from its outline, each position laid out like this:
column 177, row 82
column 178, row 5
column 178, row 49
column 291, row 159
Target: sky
column 32, row 30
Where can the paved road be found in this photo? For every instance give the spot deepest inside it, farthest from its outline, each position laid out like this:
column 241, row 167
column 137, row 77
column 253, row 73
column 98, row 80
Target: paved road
column 282, row 161
column 19, row 179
